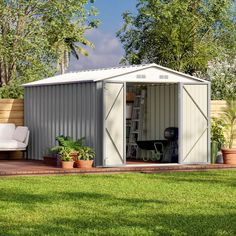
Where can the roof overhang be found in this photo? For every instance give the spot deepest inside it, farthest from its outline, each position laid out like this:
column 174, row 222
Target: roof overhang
column 122, row 74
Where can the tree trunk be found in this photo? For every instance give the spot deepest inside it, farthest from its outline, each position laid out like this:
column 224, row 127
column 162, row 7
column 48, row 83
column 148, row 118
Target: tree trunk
column 62, row 66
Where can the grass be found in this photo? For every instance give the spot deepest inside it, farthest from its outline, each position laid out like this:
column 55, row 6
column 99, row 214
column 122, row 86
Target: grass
column 197, row 203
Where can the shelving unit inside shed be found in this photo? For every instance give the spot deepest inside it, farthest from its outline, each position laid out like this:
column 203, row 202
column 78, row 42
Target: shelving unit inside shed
column 150, row 109
column 135, row 120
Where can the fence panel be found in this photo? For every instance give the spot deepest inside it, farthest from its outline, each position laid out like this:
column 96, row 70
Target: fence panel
column 12, row 111
column 217, row 107
column 216, row 110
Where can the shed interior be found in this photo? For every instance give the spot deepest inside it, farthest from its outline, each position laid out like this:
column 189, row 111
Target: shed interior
column 151, row 123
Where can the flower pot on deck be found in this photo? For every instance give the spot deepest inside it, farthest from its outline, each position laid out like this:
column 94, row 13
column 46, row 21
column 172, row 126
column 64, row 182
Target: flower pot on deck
column 74, row 156
column 229, row 156
column 84, row 164
column 67, row 164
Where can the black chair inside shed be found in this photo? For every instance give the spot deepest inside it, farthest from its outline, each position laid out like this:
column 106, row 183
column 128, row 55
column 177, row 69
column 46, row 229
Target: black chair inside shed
column 165, row 150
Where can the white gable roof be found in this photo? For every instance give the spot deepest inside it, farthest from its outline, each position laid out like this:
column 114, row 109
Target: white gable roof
column 119, row 74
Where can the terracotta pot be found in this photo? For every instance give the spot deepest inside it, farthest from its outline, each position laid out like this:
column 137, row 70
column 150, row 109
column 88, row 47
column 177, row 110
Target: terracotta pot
column 229, row 156
column 67, row 164
column 74, row 156
column 84, row 164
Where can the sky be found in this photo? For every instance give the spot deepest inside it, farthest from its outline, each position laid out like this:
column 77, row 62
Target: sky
column 108, row 49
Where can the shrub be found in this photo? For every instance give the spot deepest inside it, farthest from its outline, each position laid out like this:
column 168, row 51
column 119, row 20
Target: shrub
column 217, row 133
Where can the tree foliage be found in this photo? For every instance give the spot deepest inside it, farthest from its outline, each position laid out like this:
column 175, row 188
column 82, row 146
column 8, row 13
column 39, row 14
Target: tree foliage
column 221, row 72
column 38, row 35
column 182, row 35
column 13, row 90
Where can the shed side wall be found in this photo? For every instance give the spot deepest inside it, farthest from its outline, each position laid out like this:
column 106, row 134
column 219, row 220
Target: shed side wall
column 59, row 109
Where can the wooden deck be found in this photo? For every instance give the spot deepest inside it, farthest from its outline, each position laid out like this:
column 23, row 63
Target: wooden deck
column 21, row 167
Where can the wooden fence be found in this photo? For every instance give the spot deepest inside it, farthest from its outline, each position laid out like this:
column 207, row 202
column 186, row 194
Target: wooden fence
column 12, row 111
column 216, row 111
column 217, row 107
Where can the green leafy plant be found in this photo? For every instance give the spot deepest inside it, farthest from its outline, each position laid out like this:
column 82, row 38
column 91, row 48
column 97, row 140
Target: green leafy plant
column 65, row 154
column 221, row 72
column 228, row 119
column 86, row 153
column 38, row 38
column 217, row 132
column 68, row 142
column 182, row 35
column 12, row 90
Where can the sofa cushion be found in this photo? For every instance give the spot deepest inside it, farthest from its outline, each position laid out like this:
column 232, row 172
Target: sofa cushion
column 6, row 131
column 11, row 144
column 20, row 133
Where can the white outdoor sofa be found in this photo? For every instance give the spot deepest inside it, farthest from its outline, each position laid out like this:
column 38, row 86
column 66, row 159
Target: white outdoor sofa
column 13, row 138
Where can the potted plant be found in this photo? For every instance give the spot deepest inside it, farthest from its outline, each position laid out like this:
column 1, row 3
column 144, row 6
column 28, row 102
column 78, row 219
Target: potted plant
column 67, row 161
column 228, row 120
column 66, row 141
column 85, row 157
column 217, row 138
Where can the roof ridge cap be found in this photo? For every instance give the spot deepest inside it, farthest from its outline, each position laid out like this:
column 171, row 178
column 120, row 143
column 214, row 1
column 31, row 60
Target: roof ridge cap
column 116, row 67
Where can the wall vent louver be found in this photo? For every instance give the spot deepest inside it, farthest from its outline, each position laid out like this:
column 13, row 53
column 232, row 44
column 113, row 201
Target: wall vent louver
column 163, row 76
column 140, row 76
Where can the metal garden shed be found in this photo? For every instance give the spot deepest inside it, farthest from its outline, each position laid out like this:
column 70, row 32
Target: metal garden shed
column 92, row 104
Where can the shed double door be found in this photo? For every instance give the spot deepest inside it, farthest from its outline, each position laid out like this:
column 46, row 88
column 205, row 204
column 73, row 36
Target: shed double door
column 194, row 123
column 114, row 124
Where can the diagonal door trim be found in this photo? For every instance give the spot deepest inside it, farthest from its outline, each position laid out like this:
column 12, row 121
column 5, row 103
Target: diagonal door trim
column 195, row 103
column 114, row 101
column 114, row 145
column 195, row 144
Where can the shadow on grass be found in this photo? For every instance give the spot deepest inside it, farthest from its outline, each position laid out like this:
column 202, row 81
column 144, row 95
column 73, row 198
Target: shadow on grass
column 98, row 213
column 23, row 198
column 118, row 216
column 109, row 198
column 31, row 200
column 210, row 177
column 109, row 223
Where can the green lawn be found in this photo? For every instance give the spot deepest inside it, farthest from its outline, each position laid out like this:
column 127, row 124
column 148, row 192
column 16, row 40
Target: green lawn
column 199, row 203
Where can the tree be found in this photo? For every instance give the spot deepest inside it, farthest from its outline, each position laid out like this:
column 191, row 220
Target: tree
column 67, row 36
column 221, row 72
column 182, row 35
column 36, row 34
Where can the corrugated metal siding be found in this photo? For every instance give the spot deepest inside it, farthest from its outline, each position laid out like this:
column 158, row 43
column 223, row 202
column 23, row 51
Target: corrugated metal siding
column 162, row 110
column 68, row 109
